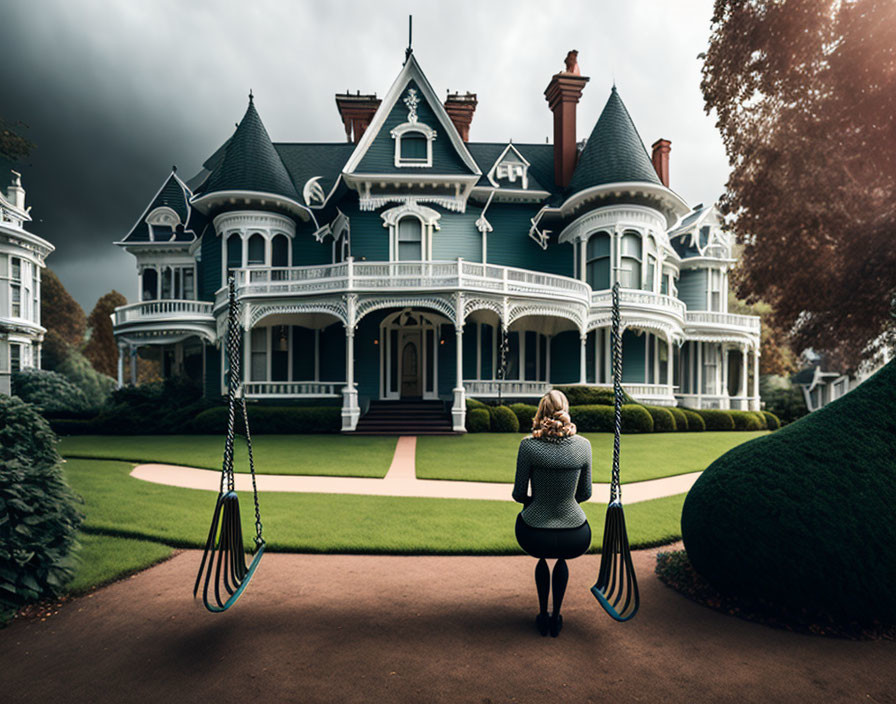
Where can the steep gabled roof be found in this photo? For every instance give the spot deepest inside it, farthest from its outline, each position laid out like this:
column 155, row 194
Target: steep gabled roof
column 173, row 194
column 250, row 162
column 614, row 152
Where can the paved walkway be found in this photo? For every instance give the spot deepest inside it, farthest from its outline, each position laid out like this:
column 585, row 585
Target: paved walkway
column 400, row 480
column 368, row 628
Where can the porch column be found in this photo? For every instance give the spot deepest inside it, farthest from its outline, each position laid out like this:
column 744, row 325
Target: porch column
column 726, row 401
column 247, row 355
column 547, row 360
column 699, row 374
column 459, row 409
column 350, row 409
column 743, row 378
column 582, row 262
column 121, row 350
column 717, row 381
column 583, row 374
column 133, row 365
column 140, row 284
column 669, row 377
column 754, row 404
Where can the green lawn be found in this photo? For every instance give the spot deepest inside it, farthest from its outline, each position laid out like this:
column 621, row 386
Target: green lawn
column 118, row 505
column 331, row 455
column 105, row 558
column 491, row 457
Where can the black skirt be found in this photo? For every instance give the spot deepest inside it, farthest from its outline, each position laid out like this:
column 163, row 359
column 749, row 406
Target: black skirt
column 560, row 543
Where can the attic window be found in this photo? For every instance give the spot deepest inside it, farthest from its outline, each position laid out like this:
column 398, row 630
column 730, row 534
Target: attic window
column 511, row 169
column 162, row 223
column 413, row 144
column 413, row 147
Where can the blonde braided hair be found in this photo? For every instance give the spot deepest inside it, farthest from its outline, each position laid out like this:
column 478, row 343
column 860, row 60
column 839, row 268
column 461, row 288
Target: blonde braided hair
column 552, row 421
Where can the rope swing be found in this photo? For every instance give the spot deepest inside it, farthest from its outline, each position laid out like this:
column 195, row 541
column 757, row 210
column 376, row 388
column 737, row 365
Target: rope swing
column 223, row 571
column 617, row 587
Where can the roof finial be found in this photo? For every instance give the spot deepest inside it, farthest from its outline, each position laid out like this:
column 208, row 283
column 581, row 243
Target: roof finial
column 410, row 49
column 250, row 95
column 174, row 169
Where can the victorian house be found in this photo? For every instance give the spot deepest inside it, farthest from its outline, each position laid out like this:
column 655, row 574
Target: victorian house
column 22, row 256
column 408, row 261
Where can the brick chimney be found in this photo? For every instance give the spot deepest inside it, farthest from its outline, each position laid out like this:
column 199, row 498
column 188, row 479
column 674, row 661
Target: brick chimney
column 660, row 159
column 356, row 112
column 562, row 94
column 460, row 109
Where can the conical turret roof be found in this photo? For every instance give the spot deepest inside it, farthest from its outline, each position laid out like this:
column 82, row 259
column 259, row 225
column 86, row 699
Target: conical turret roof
column 614, row 153
column 250, row 162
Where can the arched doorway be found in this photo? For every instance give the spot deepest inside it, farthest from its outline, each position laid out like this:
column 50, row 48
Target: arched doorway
column 408, row 345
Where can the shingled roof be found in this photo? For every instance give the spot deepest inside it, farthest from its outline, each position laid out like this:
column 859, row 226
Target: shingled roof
column 250, row 162
column 614, row 152
column 175, row 195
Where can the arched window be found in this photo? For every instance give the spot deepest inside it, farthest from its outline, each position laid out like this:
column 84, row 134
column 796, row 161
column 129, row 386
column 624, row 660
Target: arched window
column 413, row 146
column 410, row 239
column 630, row 275
column 256, row 250
column 150, row 284
column 280, row 251
column 234, row 252
column 597, row 272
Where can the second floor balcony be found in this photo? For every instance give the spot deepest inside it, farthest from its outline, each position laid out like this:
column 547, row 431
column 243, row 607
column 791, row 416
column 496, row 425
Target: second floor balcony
column 165, row 317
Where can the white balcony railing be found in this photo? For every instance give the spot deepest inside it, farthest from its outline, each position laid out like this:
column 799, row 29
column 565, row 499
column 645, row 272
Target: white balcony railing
column 488, row 388
column 403, row 276
column 292, row 389
column 729, row 320
column 164, row 309
column 635, row 298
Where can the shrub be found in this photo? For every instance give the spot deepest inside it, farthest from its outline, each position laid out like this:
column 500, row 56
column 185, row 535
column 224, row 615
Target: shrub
column 802, row 518
column 95, row 386
column 681, row 420
column 52, row 392
column 525, row 413
column 149, row 409
column 272, row 420
column 744, row 420
column 474, row 403
column 772, row 421
column 695, row 420
column 38, row 518
column 593, row 418
column 715, row 419
column 763, row 423
column 787, row 404
column 591, row 395
column 663, row 420
column 636, row 419
column 505, row 421
column 478, row 420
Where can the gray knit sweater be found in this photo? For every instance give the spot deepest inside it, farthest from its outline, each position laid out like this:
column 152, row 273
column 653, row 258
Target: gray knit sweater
column 560, row 473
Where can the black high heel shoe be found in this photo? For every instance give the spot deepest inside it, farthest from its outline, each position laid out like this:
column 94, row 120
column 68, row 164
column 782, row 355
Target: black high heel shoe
column 542, row 623
column 556, row 625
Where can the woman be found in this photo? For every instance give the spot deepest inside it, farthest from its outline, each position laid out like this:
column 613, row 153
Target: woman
column 552, row 524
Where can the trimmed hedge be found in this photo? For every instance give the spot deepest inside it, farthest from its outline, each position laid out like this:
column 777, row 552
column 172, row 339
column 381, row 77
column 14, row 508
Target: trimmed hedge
column 772, row 421
column 663, row 420
column 744, row 420
column 272, row 420
column 716, row 419
column 504, row 420
column 38, row 518
column 763, row 423
column 695, row 420
column 474, row 403
column 681, row 420
column 597, row 418
column 802, row 518
column 591, row 395
column 525, row 412
column 478, row 420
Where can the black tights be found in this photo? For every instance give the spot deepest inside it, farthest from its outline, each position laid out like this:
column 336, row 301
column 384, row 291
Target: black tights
column 543, row 584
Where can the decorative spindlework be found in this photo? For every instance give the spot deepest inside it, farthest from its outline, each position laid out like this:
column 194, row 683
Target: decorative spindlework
column 456, row 204
column 613, row 217
column 411, row 100
column 521, row 310
column 540, row 236
column 473, row 304
column 331, row 306
column 411, row 206
column 313, row 192
column 340, row 226
column 442, row 304
column 266, row 223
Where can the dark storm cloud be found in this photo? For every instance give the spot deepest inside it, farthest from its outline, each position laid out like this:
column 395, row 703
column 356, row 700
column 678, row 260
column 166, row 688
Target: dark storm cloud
column 114, row 93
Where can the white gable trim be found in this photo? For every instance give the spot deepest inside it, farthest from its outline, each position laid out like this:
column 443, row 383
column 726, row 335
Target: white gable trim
column 410, row 71
column 520, row 157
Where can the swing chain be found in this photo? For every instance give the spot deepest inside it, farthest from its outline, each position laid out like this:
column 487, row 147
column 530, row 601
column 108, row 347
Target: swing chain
column 615, row 493
column 258, row 539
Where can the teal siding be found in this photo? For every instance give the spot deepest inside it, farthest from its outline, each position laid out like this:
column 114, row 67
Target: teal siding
column 457, row 236
column 369, row 239
column 565, row 357
column 692, row 287
column 380, row 157
column 367, row 355
column 633, row 359
column 447, row 361
column 212, row 371
column 209, row 268
column 488, row 346
column 307, row 251
column 509, row 243
column 469, row 347
column 332, row 353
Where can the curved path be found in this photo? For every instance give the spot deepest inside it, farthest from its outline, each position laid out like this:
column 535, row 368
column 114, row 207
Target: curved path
column 371, row 628
column 400, row 480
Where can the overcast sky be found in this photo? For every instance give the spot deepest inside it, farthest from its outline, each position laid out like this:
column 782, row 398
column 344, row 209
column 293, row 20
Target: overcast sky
column 114, row 93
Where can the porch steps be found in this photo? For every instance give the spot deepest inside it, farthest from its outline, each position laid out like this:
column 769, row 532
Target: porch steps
column 406, row 417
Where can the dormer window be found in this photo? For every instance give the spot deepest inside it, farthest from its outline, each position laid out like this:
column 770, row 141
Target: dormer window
column 413, row 144
column 162, row 224
column 511, row 169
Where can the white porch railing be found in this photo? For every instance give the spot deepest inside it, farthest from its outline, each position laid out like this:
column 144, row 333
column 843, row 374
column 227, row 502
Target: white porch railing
column 659, row 394
column 720, row 401
column 729, row 320
column 647, row 300
column 488, row 388
column 403, row 276
column 164, row 309
column 292, row 389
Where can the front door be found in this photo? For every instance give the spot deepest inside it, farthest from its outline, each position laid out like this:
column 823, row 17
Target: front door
column 410, row 363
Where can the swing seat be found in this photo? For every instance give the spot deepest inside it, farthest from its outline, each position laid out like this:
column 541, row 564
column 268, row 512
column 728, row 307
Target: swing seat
column 616, row 588
column 223, row 569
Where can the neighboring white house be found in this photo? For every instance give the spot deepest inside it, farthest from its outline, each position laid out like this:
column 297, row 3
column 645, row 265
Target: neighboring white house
column 821, row 387
column 22, row 256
